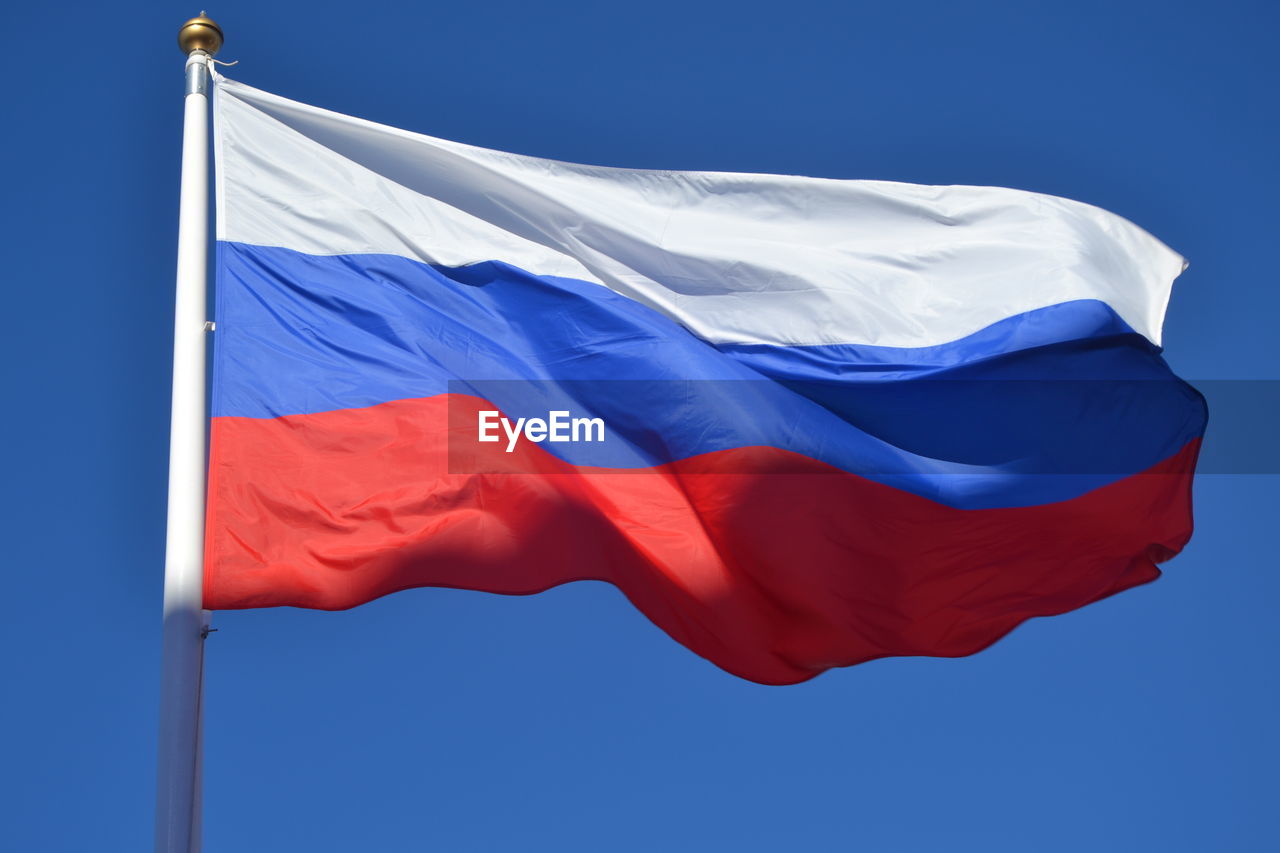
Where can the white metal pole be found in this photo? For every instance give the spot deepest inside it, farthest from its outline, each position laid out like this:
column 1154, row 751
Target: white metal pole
column 185, row 621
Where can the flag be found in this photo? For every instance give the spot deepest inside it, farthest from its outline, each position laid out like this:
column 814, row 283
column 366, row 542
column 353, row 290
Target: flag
column 800, row 423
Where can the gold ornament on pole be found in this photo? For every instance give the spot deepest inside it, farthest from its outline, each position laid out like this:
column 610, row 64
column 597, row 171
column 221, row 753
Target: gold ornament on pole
column 200, row 33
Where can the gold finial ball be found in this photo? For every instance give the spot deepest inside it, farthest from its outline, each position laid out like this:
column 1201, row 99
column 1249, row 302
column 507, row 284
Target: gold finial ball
column 200, row 33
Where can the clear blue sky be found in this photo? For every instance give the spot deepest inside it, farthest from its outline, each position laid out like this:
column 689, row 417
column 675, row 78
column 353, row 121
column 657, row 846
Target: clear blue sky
column 454, row 721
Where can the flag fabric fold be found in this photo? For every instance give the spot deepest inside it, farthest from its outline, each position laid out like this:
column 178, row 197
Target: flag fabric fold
column 801, row 423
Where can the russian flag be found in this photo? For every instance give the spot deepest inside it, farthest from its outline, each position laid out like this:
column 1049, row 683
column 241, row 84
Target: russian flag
column 800, row 423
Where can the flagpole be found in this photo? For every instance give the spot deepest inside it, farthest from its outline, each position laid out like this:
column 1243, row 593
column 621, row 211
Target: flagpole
column 185, row 620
